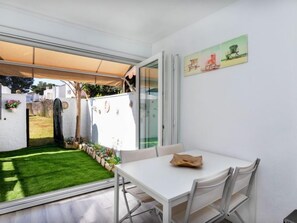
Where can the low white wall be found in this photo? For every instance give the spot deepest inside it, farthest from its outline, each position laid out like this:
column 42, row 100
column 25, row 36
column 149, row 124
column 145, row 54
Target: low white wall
column 149, row 118
column 115, row 128
column 13, row 124
column 69, row 118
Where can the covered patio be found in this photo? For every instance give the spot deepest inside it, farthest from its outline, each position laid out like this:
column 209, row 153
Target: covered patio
column 245, row 111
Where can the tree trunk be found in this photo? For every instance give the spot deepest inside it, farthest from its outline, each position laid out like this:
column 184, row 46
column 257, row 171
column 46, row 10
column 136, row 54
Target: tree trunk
column 78, row 111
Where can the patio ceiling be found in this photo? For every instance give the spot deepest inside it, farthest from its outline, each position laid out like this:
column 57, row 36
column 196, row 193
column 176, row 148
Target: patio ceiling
column 33, row 62
column 136, row 20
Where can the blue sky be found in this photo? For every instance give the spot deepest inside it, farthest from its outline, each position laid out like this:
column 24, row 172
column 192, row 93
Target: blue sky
column 56, row 82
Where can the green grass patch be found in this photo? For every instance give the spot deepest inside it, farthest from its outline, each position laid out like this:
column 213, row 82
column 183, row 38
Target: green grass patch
column 41, row 130
column 33, row 171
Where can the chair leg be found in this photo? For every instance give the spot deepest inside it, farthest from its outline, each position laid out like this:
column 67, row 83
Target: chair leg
column 129, row 212
column 128, row 209
column 238, row 216
column 159, row 215
column 128, row 215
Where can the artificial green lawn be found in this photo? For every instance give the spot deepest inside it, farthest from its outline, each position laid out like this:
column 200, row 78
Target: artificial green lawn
column 35, row 170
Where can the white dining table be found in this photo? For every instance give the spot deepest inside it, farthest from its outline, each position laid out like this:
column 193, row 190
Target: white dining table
column 168, row 184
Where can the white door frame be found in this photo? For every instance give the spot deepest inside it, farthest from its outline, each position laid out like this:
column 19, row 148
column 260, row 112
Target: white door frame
column 44, row 198
column 160, row 58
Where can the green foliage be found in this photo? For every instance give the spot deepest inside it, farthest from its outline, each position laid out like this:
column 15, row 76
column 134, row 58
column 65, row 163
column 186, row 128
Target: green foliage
column 17, row 83
column 41, row 86
column 108, row 154
column 71, row 140
column 114, row 160
column 33, row 171
column 100, row 90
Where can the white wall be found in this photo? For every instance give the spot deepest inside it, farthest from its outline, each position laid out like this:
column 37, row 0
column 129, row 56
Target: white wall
column 117, row 127
column 13, row 124
column 148, row 117
column 248, row 110
column 5, row 90
column 69, row 118
column 15, row 21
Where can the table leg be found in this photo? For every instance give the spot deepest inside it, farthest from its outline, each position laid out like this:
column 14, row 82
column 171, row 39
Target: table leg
column 166, row 213
column 116, row 197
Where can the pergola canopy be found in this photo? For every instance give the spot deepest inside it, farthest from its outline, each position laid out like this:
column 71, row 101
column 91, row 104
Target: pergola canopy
column 33, row 62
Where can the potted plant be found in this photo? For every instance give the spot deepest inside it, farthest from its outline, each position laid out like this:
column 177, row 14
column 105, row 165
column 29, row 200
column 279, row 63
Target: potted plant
column 12, row 104
column 69, row 143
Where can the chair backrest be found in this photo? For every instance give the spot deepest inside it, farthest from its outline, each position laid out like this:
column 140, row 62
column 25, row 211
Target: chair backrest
column 169, row 149
column 205, row 192
column 243, row 177
column 140, row 154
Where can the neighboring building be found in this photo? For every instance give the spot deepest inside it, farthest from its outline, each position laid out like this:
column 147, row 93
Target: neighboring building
column 31, row 97
column 63, row 91
column 49, row 93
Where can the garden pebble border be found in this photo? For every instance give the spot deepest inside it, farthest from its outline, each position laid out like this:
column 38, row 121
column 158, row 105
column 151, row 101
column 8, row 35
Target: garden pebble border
column 97, row 156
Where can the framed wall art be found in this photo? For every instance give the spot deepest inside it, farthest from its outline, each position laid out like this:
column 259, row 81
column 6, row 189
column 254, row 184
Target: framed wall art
column 229, row 53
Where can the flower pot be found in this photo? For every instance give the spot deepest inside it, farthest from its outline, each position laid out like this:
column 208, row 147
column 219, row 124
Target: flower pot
column 76, row 144
column 11, row 109
column 69, row 146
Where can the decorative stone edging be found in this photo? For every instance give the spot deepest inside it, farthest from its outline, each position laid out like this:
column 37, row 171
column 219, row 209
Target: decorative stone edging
column 98, row 157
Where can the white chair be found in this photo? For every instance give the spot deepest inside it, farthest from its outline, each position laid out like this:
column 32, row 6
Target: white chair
column 169, row 149
column 141, row 197
column 240, row 188
column 203, row 193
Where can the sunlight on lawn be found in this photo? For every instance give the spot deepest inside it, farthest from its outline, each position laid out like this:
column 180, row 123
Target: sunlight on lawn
column 41, row 130
column 31, row 171
column 10, row 181
column 41, row 127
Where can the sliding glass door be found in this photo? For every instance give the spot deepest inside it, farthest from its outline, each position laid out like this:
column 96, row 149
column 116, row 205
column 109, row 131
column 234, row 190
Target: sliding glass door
column 150, row 112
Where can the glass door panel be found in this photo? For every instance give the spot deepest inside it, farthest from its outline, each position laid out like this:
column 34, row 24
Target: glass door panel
column 150, row 102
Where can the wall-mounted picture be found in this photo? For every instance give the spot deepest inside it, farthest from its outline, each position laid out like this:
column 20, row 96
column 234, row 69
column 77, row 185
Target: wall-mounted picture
column 226, row 54
column 234, row 51
column 211, row 59
column 192, row 64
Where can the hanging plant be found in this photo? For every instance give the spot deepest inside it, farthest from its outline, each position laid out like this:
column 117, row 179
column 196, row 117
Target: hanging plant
column 11, row 104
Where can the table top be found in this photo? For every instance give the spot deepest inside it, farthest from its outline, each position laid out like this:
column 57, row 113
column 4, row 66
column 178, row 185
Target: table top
column 169, row 182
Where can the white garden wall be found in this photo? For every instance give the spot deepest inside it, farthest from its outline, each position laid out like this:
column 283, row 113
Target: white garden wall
column 114, row 127
column 248, row 110
column 13, row 124
column 69, row 118
column 109, row 121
